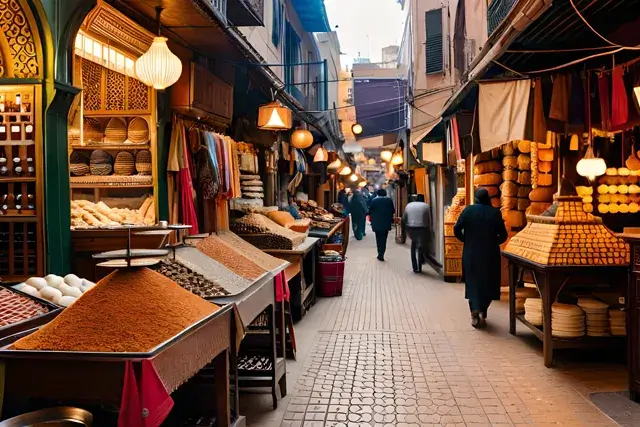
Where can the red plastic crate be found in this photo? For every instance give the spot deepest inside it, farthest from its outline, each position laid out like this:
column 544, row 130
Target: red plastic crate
column 331, row 279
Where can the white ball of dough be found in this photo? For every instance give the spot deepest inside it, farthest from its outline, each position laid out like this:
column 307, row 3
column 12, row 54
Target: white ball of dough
column 19, row 286
column 54, row 281
column 70, row 291
column 51, row 294
column 37, row 282
column 66, row 301
column 73, row 280
column 28, row 289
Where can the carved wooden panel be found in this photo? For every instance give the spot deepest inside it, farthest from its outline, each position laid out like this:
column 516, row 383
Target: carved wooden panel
column 210, row 93
column 106, row 91
column 19, row 51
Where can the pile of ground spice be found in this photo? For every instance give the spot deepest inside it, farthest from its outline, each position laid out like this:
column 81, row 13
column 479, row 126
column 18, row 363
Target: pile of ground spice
column 215, row 248
column 261, row 258
column 131, row 310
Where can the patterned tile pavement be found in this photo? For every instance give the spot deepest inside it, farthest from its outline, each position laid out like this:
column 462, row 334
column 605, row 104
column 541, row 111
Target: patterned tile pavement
column 397, row 350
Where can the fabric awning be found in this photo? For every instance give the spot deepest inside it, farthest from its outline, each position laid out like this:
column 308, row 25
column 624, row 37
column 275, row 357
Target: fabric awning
column 417, row 136
column 313, row 15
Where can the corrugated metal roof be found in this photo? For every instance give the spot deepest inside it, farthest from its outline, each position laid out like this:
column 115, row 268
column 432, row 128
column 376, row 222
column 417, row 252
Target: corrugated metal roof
column 313, row 15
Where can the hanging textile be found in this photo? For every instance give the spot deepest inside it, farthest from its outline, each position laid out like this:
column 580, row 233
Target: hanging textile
column 456, row 138
column 539, row 120
column 619, row 102
column 560, row 98
column 577, row 111
column 502, row 112
column 605, row 107
column 184, row 181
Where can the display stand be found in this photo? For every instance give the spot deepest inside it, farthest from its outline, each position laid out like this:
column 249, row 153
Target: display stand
column 258, row 364
column 300, row 274
column 326, row 234
column 550, row 280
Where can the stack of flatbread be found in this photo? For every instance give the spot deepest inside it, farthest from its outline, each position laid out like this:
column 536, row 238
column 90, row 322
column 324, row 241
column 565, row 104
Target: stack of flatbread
column 567, row 321
column 618, row 322
column 521, row 296
column 251, row 186
column 533, row 311
column 597, row 316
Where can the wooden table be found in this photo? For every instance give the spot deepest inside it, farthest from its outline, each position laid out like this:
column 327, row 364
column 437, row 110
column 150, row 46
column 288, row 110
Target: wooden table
column 550, row 280
column 259, row 298
column 326, row 234
column 301, row 274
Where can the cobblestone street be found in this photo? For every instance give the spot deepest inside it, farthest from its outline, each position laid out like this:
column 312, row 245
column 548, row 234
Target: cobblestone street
column 397, row 349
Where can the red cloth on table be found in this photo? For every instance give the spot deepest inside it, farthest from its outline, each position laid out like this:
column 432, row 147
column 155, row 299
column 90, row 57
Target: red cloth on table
column 146, row 404
column 282, row 287
column 619, row 101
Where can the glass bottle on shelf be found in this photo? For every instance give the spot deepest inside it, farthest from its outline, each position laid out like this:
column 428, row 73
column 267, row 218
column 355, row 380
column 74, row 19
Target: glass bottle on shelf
column 17, row 166
column 3, row 132
column 4, row 204
column 28, row 132
column 3, row 164
column 31, row 201
column 31, row 170
column 16, row 132
column 18, row 202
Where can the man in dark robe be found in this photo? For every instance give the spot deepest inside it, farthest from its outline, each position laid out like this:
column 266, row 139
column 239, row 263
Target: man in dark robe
column 481, row 228
column 358, row 211
column 381, row 212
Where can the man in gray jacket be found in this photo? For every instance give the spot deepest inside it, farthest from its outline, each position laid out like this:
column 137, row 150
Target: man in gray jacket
column 417, row 220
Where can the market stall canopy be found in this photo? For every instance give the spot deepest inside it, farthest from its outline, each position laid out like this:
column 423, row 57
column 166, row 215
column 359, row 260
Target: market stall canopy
column 380, row 105
column 313, row 15
column 419, row 135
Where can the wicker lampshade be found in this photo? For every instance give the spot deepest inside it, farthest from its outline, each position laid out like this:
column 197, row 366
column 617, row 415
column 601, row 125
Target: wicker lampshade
column 321, row 155
column 274, row 116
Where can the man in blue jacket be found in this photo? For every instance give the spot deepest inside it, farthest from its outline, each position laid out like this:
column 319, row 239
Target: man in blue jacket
column 381, row 213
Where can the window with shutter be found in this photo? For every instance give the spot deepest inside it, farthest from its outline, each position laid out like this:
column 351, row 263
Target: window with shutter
column 434, row 42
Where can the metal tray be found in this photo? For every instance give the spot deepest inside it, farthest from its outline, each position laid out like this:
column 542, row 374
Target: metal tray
column 33, row 322
column 95, row 378
column 64, row 416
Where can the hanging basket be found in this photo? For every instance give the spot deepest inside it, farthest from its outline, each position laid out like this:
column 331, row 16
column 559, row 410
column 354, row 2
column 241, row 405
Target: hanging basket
column 115, row 132
column 138, row 131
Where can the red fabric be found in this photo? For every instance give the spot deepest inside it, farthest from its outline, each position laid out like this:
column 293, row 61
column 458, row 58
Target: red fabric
column 605, row 107
column 154, row 396
column 282, row 287
column 185, row 185
column 146, row 404
column 619, row 101
column 456, row 139
column 130, row 407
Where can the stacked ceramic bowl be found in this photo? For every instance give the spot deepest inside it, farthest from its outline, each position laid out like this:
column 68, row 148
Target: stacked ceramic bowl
column 567, row 321
column 597, row 316
column 521, row 296
column 618, row 322
column 533, row 311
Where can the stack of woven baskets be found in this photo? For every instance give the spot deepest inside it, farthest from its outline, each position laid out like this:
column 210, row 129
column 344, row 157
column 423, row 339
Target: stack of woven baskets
column 143, row 162
column 78, row 164
column 101, row 163
column 124, row 164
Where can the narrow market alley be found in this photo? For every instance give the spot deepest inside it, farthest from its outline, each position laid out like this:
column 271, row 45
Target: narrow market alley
column 397, row 349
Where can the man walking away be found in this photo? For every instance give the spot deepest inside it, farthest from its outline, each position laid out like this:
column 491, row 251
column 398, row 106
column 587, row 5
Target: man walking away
column 417, row 220
column 381, row 213
column 481, row 228
column 358, row 211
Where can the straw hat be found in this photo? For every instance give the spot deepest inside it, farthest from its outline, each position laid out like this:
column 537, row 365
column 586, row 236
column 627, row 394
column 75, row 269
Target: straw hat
column 124, row 164
column 116, row 131
column 138, row 131
column 92, row 131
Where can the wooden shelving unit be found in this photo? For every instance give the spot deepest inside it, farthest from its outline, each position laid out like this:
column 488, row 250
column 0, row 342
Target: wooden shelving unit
column 107, row 147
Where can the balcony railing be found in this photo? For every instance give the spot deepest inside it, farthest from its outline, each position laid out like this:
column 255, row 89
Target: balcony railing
column 220, row 6
column 497, row 12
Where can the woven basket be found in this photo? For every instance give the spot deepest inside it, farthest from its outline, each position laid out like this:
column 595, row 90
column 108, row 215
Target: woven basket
column 115, row 132
column 124, row 164
column 78, row 157
column 92, row 131
column 100, row 157
column 143, row 162
column 79, row 169
column 74, row 136
column 138, row 131
column 101, row 169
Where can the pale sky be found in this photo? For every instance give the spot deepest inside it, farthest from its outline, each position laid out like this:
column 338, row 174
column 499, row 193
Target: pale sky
column 381, row 20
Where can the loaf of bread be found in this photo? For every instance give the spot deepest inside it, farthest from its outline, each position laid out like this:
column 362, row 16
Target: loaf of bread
column 487, row 167
column 524, row 178
column 523, row 204
column 542, row 194
column 493, row 190
column 509, row 189
column 524, row 146
column 524, row 162
column 487, row 179
column 545, row 155
column 510, row 175
column 508, row 149
column 509, row 202
column 510, row 162
column 545, row 179
column 523, row 191
column 545, row 167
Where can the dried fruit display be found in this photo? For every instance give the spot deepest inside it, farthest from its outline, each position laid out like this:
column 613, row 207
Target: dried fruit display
column 189, row 279
column 16, row 308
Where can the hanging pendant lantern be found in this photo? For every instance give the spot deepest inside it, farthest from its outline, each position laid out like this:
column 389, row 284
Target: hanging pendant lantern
column 591, row 166
column 397, row 159
column 274, row 116
column 159, row 67
column 353, row 177
column 321, row 155
column 301, row 138
column 386, row 155
column 346, row 170
column 356, row 129
column 335, row 164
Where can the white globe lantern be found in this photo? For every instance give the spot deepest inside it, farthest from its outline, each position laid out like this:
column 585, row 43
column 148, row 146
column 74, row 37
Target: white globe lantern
column 591, row 166
column 159, row 67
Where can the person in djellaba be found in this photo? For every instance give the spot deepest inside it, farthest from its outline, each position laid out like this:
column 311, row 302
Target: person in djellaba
column 481, row 228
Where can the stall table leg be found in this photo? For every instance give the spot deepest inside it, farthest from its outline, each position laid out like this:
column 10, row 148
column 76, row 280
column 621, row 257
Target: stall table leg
column 513, row 282
column 221, row 369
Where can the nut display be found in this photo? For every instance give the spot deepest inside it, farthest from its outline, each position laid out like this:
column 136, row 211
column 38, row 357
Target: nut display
column 189, row 279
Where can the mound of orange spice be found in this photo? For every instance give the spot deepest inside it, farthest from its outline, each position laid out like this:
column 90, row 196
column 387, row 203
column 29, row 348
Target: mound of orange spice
column 131, row 310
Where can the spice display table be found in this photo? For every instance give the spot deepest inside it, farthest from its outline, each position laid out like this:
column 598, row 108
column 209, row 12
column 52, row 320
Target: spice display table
column 94, row 380
column 300, row 274
column 549, row 281
column 258, row 364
